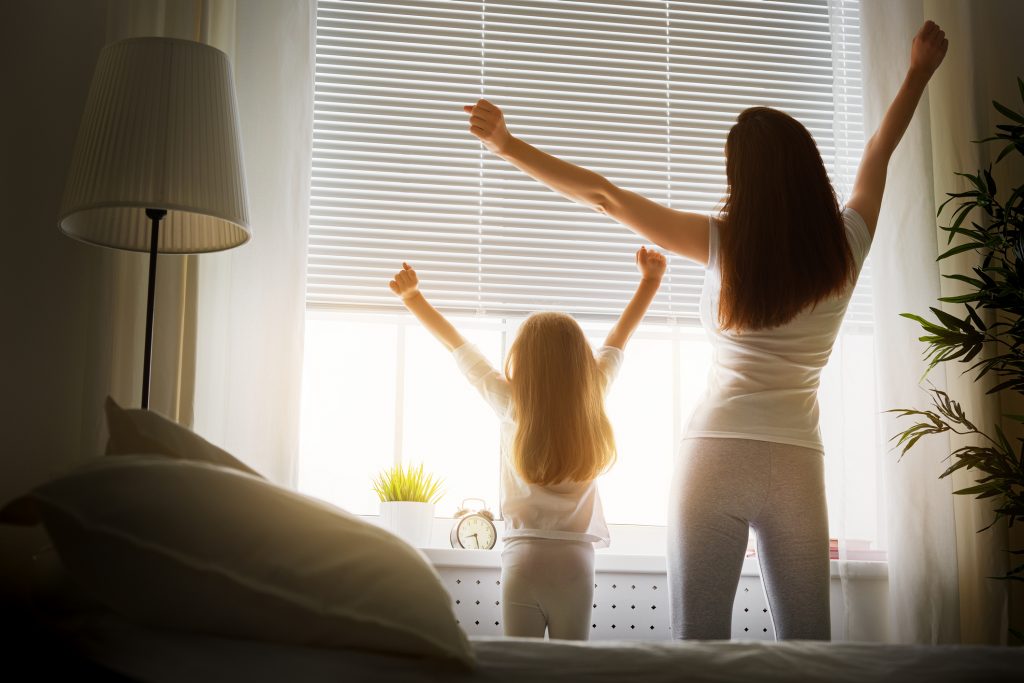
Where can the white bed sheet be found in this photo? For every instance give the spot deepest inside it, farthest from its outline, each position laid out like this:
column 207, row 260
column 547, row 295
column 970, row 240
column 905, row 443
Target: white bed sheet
column 165, row 657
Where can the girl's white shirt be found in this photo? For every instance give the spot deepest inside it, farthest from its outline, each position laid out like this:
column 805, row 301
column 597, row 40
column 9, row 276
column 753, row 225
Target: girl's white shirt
column 570, row 511
column 763, row 384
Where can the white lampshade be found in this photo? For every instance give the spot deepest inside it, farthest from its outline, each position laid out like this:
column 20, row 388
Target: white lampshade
column 160, row 131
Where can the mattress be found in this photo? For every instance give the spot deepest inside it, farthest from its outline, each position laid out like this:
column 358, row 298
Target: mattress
column 149, row 655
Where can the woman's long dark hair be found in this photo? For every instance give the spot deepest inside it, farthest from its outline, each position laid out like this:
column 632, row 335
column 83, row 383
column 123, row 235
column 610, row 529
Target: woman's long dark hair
column 782, row 247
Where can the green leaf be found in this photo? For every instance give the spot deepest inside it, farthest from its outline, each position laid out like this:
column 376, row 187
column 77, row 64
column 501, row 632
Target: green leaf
column 1006, row 150
column 950, row 321
column 918, row 319
column 960, row 464
column 1007, row 112
column 961, row 299
column 980, row 488
column 1003, row 440
column 990, row 182
column 960, row 249
column 978, row 322
column 975, row 350
column 1005, row 385
column 973, row 282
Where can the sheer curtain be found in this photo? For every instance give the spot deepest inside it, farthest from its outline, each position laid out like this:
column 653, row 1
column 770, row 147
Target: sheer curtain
column 252, row 300
column 938, row 565
column 227, row 359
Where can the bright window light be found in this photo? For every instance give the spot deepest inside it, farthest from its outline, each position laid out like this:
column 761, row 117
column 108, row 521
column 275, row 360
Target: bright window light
column 447, row 425
column 347, row 425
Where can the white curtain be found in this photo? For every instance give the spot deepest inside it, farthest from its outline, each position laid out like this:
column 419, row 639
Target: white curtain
column 227, row 357
column 252, row 299
column 939, row 567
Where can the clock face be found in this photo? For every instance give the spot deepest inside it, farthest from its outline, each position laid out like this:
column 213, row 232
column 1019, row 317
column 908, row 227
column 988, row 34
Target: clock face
column 475, row 531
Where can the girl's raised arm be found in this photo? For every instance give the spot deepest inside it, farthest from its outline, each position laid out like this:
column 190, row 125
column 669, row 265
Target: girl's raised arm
column 407, row 286
column 926, row 53
column 682, row 232
column 651, row 265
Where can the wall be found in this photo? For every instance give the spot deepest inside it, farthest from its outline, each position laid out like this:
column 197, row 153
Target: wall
column 52, row 287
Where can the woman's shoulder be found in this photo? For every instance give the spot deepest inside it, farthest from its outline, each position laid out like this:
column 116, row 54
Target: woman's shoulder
column 857, row 234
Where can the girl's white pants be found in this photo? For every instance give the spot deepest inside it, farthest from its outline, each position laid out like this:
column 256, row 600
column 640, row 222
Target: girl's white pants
column 547, row 584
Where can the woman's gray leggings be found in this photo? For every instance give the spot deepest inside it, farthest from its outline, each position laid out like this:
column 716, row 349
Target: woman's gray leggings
column 720, row 488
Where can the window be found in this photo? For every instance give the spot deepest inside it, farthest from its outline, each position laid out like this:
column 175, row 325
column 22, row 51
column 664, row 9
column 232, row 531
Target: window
column 642, row 92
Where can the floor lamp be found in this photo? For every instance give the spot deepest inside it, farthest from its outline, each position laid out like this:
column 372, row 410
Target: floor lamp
column 157, row 165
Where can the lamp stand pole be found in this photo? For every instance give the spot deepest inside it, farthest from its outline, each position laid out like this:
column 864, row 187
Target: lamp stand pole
column 154, row 215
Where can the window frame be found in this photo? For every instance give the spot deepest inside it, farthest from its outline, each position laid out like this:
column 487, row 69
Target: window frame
column 632, row 534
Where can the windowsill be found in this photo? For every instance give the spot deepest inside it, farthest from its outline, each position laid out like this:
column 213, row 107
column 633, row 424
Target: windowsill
column 636, row 548
column 606, row 561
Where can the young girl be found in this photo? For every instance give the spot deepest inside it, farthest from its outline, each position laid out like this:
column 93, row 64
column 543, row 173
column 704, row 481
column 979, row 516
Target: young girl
column 555, row 440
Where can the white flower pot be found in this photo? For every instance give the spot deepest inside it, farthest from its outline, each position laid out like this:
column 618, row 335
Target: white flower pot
column 409, row 521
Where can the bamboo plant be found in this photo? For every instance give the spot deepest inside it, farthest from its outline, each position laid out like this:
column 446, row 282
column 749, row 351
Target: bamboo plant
column 991, row 227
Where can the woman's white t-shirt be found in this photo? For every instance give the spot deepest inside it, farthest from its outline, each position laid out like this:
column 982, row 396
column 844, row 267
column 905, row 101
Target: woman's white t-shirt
column 763, row 384
column 570, row 511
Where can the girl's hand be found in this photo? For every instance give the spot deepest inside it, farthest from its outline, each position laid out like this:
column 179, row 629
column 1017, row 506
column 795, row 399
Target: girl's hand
column 651, row 264
column 929, row 49
column 488, row 123
column 405, row 284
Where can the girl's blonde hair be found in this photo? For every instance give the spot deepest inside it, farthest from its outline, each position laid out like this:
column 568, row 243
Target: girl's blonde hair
column 562, row 432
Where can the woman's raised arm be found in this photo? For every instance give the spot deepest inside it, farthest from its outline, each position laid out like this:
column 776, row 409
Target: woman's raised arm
column 926, row 53
column 682, row 232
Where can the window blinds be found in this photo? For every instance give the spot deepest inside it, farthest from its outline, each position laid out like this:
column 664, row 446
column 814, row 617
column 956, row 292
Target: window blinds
column 642, row 92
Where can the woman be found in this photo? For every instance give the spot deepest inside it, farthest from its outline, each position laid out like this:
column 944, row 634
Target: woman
column 781, row 260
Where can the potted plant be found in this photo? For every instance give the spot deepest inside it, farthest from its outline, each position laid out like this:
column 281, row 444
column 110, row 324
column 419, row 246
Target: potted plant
column 996, row 286
column 407, row 498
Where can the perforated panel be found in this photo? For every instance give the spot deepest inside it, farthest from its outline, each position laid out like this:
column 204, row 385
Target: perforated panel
column 627, row 605
column 476, row 593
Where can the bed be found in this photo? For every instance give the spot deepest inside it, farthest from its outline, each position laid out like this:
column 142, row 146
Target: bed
column 170, row 562
column 145, row 654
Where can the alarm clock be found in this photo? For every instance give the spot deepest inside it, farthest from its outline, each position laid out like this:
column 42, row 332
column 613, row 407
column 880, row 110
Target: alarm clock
column 474, row 528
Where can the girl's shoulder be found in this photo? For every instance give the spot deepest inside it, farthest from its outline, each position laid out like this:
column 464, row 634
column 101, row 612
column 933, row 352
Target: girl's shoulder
column 609, row 359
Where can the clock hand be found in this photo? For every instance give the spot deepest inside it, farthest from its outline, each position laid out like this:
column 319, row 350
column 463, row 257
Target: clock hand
column 477, row 540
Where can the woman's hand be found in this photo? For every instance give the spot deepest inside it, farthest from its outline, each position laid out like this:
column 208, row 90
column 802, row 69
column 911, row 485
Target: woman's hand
column 651, row 264
column 488, row 123
column 928, row 49
column 405, row 284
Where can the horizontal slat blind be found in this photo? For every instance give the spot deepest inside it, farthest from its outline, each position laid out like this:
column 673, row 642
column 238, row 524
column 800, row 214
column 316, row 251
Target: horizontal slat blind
column 642, row 92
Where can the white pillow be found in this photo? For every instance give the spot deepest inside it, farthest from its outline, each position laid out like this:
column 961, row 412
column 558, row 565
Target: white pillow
column 144, row 431
column 198, row 547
